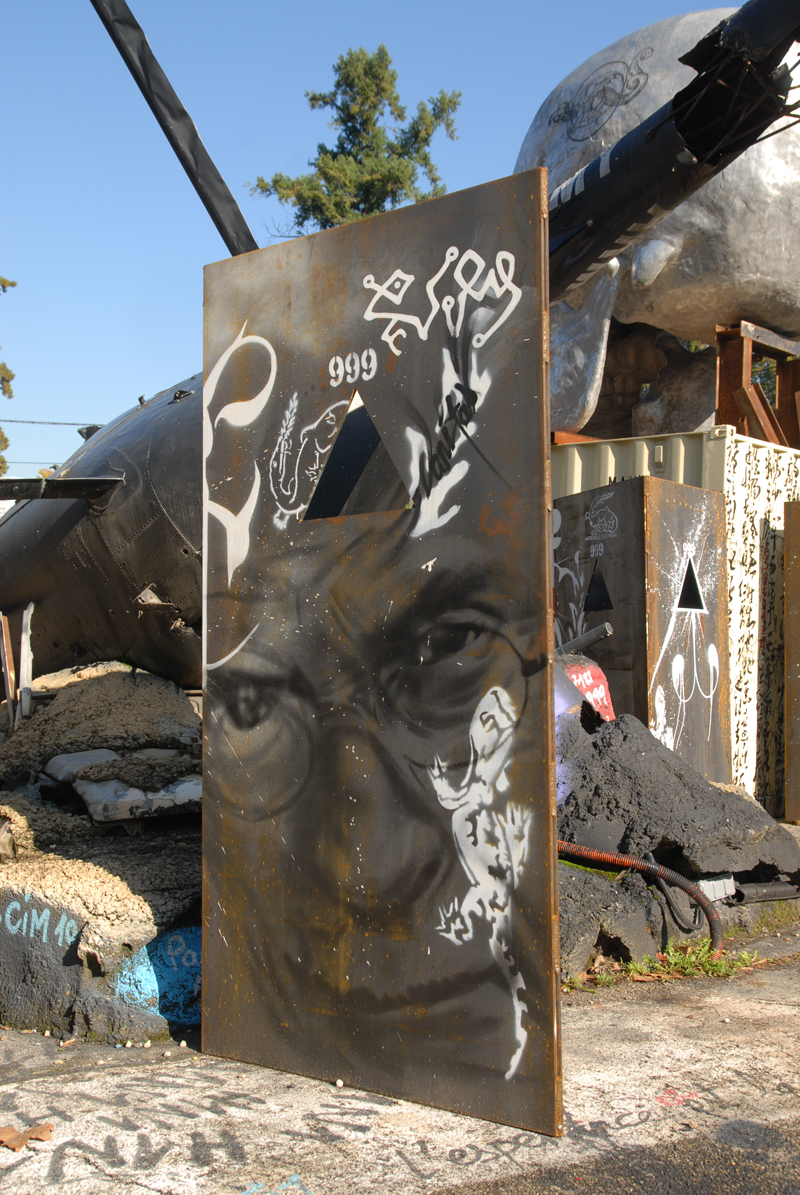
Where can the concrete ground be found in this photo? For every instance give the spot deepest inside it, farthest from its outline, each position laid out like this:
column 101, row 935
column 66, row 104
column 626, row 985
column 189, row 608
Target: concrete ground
column 683, row 1087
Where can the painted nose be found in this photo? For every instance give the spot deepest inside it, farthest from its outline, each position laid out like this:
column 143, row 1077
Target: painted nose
column 375, row 837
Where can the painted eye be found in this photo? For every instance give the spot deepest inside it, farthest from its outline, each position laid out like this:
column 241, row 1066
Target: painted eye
column 445, row 640
column 250, row 701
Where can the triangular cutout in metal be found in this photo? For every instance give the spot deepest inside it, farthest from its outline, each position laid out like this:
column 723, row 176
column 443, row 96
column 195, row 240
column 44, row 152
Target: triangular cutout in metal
column 359, row 477
column 597, row 595
column 691, row 598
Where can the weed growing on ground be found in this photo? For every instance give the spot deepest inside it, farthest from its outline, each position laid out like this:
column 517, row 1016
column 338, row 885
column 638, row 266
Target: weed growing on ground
column 603, row 980
column 684, row 960
column 688, row 960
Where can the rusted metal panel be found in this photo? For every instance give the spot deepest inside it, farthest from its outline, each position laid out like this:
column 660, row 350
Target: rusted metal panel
column 734, row 370
column 599, row 569
column 379, row 862
column 791, row 631
column 649, row 557
column 688, row 670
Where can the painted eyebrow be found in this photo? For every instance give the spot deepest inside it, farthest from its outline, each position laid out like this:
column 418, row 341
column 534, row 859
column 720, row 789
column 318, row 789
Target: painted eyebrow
column 291, row 679
column 468, row 593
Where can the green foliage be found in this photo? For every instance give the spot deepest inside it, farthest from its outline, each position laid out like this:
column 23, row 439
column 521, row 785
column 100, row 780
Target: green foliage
column 603, row 980
column 6, row 375
column 371, row 167
column 689, row 960
column 612, row 876
column 765, row 373
column 775, row 915
column 6, row 378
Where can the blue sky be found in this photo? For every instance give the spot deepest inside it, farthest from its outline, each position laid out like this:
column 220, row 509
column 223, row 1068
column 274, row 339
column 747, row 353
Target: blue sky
column 101, row 228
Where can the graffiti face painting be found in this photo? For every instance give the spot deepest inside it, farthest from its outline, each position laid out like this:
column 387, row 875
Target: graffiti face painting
column 378, row 856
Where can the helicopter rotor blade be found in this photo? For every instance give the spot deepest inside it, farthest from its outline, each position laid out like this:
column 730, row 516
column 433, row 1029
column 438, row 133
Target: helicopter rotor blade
column 178, row 127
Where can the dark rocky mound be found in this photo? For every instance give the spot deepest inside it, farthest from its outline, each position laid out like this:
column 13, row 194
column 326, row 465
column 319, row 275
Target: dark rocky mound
column 621, row 919
column 622, row 790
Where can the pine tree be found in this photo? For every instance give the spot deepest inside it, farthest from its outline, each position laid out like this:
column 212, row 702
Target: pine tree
column 372, row 167
column 6, row 378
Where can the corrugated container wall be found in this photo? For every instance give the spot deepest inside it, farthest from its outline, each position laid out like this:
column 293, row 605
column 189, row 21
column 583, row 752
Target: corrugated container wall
column 756, row 479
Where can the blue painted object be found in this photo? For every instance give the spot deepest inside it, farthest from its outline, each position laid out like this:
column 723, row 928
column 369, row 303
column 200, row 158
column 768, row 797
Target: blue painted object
column 165, row 976
column 292, row 1181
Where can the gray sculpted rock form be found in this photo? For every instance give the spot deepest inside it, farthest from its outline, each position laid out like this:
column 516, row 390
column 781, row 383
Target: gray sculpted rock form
column 683, row 396
column 730, row 252
column 619, row 789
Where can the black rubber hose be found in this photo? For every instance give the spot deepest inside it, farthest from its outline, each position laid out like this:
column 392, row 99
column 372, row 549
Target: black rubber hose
column 775, row 890
column 654, row 871
column 686, row 927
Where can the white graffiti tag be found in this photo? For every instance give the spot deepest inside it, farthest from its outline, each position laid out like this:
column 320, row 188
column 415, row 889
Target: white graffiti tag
column 492, row 844
column 296, row 461
column 434, row 469
column 685, row 618
column 497, row 281
column 237, row 414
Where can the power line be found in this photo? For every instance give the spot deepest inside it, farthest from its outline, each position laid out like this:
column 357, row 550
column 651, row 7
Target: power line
column 43, row 422
column 33, row 463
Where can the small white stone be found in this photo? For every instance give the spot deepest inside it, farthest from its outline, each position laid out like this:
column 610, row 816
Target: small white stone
column 47, row 1032
column 339, row 1083
column 128, row 1045
column 183, row 1045
column 167, row 1054
column 727, row 1020
column 147, row 1044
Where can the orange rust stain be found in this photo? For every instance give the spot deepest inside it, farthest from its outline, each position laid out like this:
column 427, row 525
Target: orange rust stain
column 324, row 377
column 499, row 526
column 391, row 364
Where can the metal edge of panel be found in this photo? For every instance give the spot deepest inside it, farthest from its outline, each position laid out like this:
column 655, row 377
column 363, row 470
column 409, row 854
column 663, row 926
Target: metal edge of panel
column 791, row 550
column 541, row 258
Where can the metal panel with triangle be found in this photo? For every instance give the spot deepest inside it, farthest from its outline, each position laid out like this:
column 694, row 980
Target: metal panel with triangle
column 379, row 862
column 648, row 556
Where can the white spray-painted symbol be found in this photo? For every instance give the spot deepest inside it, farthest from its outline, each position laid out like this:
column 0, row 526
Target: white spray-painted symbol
column 492, row 845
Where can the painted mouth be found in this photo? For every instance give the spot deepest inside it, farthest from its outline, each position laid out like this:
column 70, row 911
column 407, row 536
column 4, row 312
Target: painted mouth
column 363, row 1000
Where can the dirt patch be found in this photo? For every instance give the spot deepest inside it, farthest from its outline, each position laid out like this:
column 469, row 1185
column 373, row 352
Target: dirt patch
column 54, row 681
column 149, row 775
column 117, row 708
column 122, row 889
column 38, row 825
